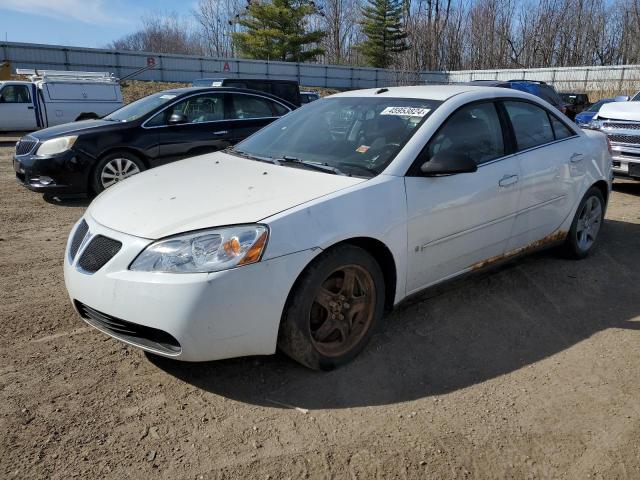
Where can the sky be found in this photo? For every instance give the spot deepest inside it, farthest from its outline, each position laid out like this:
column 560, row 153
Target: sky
column 83, row 23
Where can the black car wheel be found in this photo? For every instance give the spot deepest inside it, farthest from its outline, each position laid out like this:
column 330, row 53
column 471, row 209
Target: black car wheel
column 333, row 309
column 114, row 168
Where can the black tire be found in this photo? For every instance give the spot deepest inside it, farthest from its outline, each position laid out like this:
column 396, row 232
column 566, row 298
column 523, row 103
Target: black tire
column 101, row 168
column 574, row 246
column 326, row 344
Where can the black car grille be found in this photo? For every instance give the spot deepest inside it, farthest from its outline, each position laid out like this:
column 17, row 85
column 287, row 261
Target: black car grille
column 78, row 236
column 25, row 145
column 132, row 332
column 626, row 126
column 99, row 251
column 624, row 138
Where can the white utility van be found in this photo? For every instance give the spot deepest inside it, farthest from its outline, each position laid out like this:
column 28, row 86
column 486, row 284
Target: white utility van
column 54, row 97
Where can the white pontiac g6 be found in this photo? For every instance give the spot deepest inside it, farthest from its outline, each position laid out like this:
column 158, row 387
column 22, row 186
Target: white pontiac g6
column 303, row 235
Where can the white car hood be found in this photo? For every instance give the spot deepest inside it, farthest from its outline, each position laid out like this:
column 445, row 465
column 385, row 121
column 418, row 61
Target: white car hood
column 620, row 111
column 208, row 191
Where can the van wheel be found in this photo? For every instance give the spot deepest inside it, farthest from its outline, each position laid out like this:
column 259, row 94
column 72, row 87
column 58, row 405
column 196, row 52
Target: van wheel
column 586, row 225
column 333, row 309
column 114, row 168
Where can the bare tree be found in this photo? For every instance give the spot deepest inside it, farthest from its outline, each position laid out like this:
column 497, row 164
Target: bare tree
column 161, row 33
column 442, row 34
column 217, row 21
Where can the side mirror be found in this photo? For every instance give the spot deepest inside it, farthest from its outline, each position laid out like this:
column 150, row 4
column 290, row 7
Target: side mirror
column 448, row 163
column 177, row 118
column 2, row 100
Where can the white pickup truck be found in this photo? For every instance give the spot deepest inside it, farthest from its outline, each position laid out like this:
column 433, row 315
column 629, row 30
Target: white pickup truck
column 51, row 98
column 620, row 121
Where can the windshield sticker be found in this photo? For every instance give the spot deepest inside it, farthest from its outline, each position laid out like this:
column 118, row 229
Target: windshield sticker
column 406, row 111
column 167, row 97
column 362, row 148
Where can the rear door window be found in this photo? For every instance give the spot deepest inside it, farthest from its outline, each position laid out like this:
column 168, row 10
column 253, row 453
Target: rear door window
column 251, row 106
column 531, row 124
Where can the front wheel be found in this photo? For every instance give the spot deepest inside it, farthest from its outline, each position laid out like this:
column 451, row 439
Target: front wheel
column 114, row 168
column 333, row 309
column 586, row 225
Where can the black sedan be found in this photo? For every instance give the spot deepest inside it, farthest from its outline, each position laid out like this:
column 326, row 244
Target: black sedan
column 91, row 155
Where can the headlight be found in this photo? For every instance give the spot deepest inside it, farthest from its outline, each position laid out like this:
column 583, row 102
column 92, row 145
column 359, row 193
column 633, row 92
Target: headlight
column 204, row 251
column 56, row 145
column 596, row 124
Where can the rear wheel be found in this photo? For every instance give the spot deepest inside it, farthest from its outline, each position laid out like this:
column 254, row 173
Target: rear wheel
column 114, row 168
column 333, row 309
column 586, row 225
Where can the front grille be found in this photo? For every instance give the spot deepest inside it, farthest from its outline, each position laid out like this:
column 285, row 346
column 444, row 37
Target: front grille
column 624, row 138
column 25, row 145
column 78, row 236
column 99, row 251
column 627, row 126
column 140, row 335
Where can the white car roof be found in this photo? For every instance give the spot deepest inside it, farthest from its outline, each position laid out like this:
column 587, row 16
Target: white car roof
column 15, row 82
column 428, row 92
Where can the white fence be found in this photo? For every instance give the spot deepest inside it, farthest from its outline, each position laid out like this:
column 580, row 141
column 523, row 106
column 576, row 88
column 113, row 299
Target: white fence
column 622, row 78
column 185, row 68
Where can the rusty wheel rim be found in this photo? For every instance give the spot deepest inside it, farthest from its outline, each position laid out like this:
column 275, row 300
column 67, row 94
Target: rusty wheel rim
column 342, row 310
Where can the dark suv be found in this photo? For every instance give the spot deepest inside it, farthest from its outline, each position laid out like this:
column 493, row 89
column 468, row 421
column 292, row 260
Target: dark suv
column 575, row 103
column 287, row 89
column 539, row 89
column 91, row 155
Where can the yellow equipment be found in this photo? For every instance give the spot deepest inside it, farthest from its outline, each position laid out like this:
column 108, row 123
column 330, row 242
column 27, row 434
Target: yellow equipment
column 5, row 70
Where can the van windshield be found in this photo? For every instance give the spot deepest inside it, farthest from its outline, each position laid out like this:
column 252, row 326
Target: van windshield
column 355, row 135
column 141, row 107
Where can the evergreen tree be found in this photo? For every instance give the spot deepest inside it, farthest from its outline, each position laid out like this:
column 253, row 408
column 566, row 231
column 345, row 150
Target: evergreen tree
column 277, row 30
column 382, row 24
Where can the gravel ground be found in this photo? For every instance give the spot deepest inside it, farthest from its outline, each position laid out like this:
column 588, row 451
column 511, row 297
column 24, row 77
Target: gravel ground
column 530, row 371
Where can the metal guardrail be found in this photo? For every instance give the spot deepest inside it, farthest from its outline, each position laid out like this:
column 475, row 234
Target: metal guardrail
column 185, row 68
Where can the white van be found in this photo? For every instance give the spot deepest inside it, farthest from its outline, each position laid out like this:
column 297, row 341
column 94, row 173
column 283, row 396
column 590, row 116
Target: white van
column 55, row 97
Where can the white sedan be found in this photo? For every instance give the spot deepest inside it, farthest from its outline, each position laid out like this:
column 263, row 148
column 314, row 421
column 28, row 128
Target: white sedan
column 303, row 235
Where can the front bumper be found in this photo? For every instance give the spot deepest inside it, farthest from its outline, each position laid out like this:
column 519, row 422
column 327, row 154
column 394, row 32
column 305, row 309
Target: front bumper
column 626, row 160
column 210, row 316
column 65, row 173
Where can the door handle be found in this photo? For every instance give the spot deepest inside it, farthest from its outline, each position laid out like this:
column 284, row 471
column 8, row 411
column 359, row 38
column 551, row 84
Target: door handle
column 221, row 132
column 508, row 180
column 30, row 108
column 576, row 157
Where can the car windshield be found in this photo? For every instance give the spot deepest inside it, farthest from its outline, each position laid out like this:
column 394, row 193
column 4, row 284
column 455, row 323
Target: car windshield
column 355, row 135
column 139, row 108
column 596, row 106
column 636, row 97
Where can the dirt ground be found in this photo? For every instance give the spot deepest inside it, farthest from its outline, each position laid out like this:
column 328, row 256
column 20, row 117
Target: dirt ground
column 531, row 371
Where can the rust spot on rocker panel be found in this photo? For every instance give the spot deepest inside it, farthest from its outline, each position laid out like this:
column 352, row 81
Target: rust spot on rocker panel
column 549, row 239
